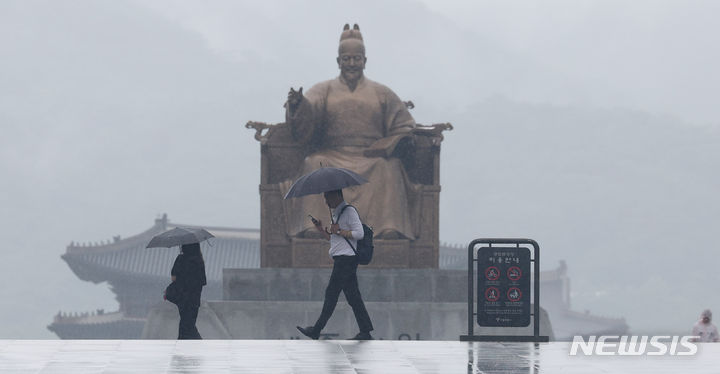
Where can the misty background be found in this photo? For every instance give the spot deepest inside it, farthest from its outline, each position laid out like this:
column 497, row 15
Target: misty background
column 589, row 126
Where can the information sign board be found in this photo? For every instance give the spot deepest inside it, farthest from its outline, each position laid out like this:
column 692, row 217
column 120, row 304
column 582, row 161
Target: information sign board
column 503, row 286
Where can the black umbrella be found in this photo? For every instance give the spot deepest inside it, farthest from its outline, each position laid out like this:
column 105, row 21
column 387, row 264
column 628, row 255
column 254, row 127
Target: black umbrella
column 323, row 180
column 179, row 236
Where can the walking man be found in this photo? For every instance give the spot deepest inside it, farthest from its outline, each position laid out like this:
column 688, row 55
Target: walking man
column 345, row 231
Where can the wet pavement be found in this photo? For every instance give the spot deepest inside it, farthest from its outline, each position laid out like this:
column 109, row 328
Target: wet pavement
column 329, row 356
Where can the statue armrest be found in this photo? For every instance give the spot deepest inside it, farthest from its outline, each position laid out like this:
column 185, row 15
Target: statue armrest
column 385, row 146
column 402, row 144
column 433, row 131
column 281, row 156
column 259, row 127
column 278, row 134
column 421, row 156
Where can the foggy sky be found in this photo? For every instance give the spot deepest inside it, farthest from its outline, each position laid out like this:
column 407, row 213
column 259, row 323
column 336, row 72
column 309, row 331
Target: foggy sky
column 589, row 126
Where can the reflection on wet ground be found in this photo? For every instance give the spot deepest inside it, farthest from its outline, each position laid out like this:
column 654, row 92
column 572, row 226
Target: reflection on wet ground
column 329, row 356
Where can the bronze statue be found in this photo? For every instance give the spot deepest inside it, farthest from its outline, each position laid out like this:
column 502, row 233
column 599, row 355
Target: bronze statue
column 361, row 125
column 355, row 123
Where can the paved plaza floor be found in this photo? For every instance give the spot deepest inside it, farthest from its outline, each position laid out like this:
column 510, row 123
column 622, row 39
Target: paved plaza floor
column 329, row 356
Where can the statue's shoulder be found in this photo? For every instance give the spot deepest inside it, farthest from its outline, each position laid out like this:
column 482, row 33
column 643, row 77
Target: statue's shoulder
column 324, row 85
column 374, row 84
column 320, row 89
column 381, row 89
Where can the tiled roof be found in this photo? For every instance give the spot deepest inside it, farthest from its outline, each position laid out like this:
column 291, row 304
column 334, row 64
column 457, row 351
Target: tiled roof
column 92, row 318
column 453, row 257
column 231, row 248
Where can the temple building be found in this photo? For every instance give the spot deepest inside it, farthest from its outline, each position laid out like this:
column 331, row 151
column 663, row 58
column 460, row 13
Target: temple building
column 138, row 276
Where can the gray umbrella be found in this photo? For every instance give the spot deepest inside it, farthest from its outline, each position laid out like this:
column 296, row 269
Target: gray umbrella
column 323, row 180
column 179, row 236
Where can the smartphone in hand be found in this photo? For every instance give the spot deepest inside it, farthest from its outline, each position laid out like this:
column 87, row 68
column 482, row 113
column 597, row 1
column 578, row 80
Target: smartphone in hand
column 314, row 221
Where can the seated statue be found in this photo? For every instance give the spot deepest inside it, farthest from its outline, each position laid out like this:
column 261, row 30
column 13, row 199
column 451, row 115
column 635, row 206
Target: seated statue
column 355, row 123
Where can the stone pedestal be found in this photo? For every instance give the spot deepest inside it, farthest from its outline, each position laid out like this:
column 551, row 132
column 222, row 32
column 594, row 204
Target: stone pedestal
column 382, row 285
column 313, row 253
column 424, row 304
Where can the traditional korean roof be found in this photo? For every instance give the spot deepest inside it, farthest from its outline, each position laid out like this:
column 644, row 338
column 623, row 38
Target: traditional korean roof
column 97, row 325
column 128, row 257
column 91, row 318
column 452, row 256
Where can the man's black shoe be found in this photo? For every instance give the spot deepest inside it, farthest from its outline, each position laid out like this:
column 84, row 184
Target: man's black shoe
column 363, row 336
column 309, row 332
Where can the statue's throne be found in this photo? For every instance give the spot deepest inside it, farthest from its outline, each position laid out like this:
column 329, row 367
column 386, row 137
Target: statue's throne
column 281, row 159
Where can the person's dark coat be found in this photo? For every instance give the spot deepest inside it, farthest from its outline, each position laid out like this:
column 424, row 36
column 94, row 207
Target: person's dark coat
column 189, row 272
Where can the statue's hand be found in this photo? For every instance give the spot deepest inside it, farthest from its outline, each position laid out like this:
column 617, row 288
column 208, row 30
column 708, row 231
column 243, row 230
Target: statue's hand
column 294, row 99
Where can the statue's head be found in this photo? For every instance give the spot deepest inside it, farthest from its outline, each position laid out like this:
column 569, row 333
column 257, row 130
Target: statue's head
column 351, row 54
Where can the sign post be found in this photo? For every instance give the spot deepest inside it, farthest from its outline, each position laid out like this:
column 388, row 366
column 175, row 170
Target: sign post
column 503, row 288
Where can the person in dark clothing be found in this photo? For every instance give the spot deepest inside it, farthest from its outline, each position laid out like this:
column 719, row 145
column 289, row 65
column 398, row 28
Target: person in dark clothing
column 189, row 271
column 343, row 236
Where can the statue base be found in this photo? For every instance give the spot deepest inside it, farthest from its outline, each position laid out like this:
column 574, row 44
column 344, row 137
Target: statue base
column 416, row 304
column 313, row 253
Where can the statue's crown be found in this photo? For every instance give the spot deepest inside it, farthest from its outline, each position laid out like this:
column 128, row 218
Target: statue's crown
column 351, row 34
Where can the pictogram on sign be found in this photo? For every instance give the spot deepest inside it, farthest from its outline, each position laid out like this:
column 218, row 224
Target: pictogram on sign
column 492, row 294
column 514, row 273
column 492, row 273
column 514, row 294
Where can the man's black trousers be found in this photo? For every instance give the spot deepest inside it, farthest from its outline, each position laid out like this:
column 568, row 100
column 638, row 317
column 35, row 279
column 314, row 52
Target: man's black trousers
column 344, row 278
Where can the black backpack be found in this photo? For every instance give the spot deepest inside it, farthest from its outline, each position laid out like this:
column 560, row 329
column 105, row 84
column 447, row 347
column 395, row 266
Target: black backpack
column 364, row 251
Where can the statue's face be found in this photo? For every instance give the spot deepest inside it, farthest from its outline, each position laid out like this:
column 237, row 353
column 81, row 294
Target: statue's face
column 351, row 60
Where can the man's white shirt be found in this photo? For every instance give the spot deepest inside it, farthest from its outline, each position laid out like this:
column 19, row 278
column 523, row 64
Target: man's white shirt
column 349, row 220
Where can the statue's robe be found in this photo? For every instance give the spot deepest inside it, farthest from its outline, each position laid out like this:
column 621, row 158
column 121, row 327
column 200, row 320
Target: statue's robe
column 341, row 125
